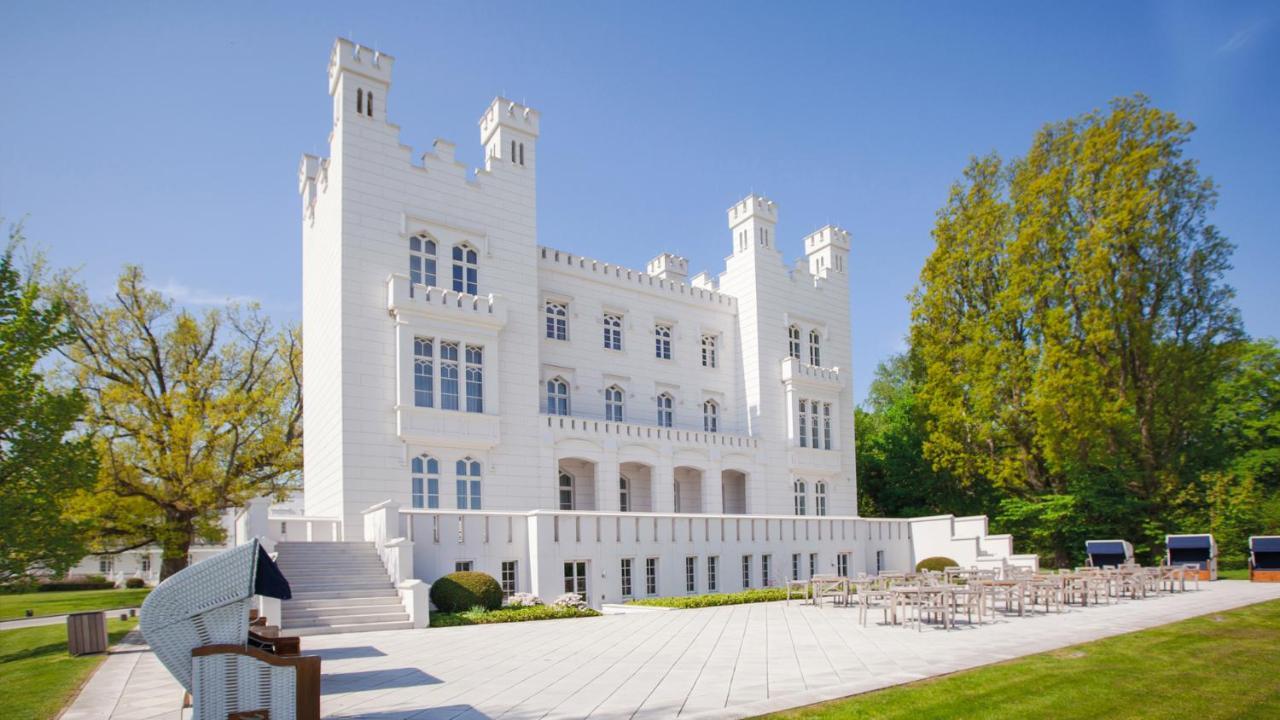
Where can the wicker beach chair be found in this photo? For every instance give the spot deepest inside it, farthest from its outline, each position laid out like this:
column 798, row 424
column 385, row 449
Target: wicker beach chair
column 197, row 624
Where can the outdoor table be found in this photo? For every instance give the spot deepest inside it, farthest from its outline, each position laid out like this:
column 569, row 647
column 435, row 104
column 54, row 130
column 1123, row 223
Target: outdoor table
column 1006, row 588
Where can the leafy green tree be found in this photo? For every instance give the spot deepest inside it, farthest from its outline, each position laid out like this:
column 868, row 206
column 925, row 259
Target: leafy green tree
column 1244, row 436
column 42, row 463
column 190, row 415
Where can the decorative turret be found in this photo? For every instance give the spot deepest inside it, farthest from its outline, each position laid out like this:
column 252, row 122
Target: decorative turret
column 827, row 250
column 359, row 80
column 753, row 220
column 669, row 267
column 508, row 131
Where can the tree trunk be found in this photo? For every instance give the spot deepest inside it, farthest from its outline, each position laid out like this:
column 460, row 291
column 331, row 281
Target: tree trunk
column 176, row 546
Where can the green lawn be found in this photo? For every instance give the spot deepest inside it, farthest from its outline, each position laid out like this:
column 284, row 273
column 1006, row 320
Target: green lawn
column 61, row 603
column 37, row 676
column 1238, row 574
column 1216, row 666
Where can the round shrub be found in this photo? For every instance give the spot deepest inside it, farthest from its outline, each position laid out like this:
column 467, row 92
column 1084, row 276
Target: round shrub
column 936, row 564
column 461, row 591
column 135, row 583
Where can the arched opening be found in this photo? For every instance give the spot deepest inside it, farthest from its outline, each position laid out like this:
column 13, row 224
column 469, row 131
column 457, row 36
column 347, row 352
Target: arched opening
column 734, row 487
column 639, row 481
column 688, row 490
column 576, row 484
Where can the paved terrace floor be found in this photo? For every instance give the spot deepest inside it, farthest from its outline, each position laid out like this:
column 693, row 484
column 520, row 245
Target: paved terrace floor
column 725, row 662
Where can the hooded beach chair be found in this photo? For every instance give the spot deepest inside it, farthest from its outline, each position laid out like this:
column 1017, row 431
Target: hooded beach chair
column 1104, row 553
column 197, row 624
column 1264, row 558
column 1198, row 550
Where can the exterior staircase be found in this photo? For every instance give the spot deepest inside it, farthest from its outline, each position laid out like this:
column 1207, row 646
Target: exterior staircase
column 338, row 587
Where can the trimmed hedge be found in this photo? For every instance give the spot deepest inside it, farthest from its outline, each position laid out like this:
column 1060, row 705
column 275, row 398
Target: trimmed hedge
column 509, row 614
column 715, row 599
column 460, row 591
column 936, row 564
column 85, row 584
column 135, row 583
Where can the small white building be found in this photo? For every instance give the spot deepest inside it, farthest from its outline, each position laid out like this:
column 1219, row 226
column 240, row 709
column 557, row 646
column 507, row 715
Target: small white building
column 559, row 421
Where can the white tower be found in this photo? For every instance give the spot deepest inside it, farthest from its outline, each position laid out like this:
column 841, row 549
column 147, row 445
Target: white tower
column 753, row 220
column 827, row 251
column 508, row 131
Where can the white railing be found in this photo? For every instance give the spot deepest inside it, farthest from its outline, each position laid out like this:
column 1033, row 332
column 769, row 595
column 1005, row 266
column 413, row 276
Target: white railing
column 571, row 424
column 401, row 294
column 793, row 369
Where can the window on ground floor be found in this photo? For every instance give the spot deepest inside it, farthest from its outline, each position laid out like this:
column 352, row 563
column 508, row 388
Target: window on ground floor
column 691, row 574
column 625, row 574
column 509, row 578
column 764, row 570
column 842, row 564
column 746, row 572
column 712, row 566
column 795, row 566
column 813, row 564
column 575, row 577
column 464, row 566
column 651, row 576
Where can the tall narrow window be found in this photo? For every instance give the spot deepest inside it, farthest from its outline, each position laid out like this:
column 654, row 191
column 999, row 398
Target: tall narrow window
column 826, row 426
column 359, row 101
column 368, row 106
column 475, row 379
column 842, row 564
column 557, row 397
column 651, row 576
column 813, row 424
column 800, row 498
column 713, row 581
column 468, row 480
column 793, row 342
column 509, row 576
column 815, row 348
column 425, row 480
column 662, row 342
column 513, row 152
column 557, row 320
column 795, row 566
column 710, row 416
column 803, row 423
column 709, row 359
column 423, row 372
column 764, row 570
column 566, row 491
column 746, row 572
column 624, row 494
column 691, row 574
column 449, row 375
column 613, row 403
column 422, row 260
column 813, row 564
column 466, row 269
column 612, row 331
column 522, row 153
column 820, row 498
column 625, row 574
column 666, row 415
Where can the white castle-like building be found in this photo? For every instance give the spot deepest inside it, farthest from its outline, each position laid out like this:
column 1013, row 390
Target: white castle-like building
column 476, row 399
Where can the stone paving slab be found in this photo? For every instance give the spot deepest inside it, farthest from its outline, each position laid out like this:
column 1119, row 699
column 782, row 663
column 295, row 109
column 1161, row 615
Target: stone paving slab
column 727, row 662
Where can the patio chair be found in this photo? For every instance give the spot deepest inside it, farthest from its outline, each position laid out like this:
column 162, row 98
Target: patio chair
column 1264, row 558
column 1198, row 550
column 197, row 623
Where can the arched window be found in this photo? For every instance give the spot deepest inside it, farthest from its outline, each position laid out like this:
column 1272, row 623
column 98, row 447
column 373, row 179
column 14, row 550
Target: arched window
column 710, row 416
column 804, row 423
column 666, row 415
column 368, row 106
column 425, row 481
column 793, row 342
column 466, row 269
column 557, row 320
column 612, row 331
column 557, row 397
column 820, row 498
column 423, row 371
column 662, row 341
column 475, row 378
column 422, row 260
column 709, row 355
column 467, row 471
column 449, row 375
column 566, row 491
column 624, row 493
column 815, row 348
column 613, row 403
column 800, row 497
column 359, row 101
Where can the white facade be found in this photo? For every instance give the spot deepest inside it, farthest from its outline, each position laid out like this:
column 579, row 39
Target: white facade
column 467, row 374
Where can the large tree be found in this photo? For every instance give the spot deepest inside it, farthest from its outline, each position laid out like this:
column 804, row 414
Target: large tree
column 1073, row 322
column 190, row 415
column 42, row 464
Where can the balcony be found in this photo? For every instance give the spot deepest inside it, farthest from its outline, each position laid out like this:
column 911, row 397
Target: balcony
column 797, row 373
column 438, row 303
column 568, row 426
column 454, row 428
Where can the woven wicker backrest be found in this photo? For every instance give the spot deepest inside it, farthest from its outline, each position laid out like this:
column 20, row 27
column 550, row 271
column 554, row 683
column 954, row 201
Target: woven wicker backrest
column 206, row 604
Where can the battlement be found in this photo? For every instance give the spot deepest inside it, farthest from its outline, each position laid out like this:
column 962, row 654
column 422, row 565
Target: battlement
column 348, row 56
column 669, row 267
column 753, row 206
column 829, row 235
column 509, row 114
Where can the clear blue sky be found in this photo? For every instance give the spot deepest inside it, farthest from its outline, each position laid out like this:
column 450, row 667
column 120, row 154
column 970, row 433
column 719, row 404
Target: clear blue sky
column 168, row 134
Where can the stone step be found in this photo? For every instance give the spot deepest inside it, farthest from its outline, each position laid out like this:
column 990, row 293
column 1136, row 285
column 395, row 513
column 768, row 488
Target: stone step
column 387, row 591
column 327, row 620
column 389, row 600
column 338, row 611
column 338, row 584
column 291, row 544
column 353, row 628
column 360, row 576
